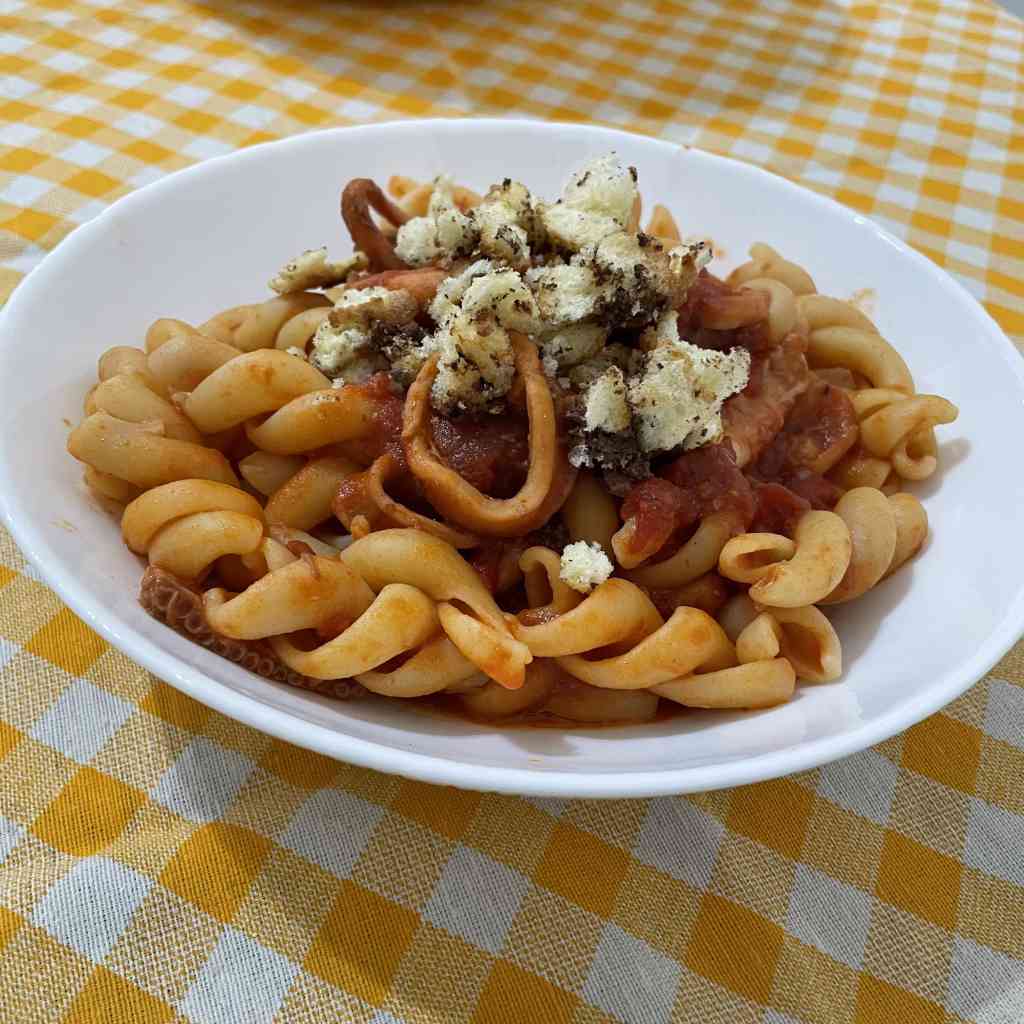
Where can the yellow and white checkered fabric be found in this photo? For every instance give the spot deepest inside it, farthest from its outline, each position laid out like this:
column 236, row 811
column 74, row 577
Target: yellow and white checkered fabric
column 161, row 863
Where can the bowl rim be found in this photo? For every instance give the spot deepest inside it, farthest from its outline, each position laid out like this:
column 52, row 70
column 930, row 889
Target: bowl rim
column 449, row 770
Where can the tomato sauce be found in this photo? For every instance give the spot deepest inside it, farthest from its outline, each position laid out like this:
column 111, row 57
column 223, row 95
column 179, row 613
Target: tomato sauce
column 490, row 452
column 819, row 430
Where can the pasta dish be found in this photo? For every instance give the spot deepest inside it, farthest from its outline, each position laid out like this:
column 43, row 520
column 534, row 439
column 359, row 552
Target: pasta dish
column 528, row 459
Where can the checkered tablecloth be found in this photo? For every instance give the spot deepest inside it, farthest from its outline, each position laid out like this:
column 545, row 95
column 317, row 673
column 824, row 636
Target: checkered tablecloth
column 159, row 862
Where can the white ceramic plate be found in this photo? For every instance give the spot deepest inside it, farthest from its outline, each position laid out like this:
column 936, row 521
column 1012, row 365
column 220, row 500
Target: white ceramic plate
column 211, row 236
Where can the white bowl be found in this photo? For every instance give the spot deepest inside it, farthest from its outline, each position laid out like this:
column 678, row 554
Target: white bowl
column 210, row 237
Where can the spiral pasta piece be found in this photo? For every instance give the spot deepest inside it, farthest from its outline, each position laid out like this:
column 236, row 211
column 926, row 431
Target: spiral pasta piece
column 139, row 453
column 842, row 336
column 824, row 311
column 901, row 437
column 810, row 643
column 911, row 528
column 303, row 594
column 589, row 513
column 437, row 569
column 861, row 351
column 108, row 487
column 822, row 555
column 783, row 313
column 893, row 424
column 688, row 640
column 250, row 384
column 256, row 326
column 304, row 500
column 871, row 521
column 615, row 611
column 314, row 420
column 916, row 457
column 696, row 557
column 266, row 472
column 128, row 396
column 803, row 636
column 124, row 359
column 856, row 469
column 823, row 551
column 161, row 331
column 299, row 330
column 765, row 262
column 188, row 546
column 547, row 593
column 494, row 651
column 186, row 358
column 437, row 666
column 148, row 514
column 746, row 558
column 400, row 619
column 757, row 684
column 760, row 640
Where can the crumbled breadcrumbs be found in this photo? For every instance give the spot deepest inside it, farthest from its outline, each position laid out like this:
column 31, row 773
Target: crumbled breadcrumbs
column 312, row 270
column 584, row 566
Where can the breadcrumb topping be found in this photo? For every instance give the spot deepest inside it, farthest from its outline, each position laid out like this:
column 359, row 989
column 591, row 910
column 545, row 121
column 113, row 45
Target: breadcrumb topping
column 449, row 294
column 312, row 271
column 584, row 566
column 677, row 400
column 597, row 296
column 475, row 368
column 573, row 344
column 445, row 231
column 603, row 187
column 597, row 202
column 606, row 407
column 343, row 345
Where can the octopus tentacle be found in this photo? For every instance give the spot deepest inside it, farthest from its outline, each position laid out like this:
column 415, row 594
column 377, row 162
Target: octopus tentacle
column 357, row 199
column 177, row 605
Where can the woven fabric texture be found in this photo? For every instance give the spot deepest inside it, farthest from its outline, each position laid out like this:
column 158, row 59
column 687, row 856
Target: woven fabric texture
column 160, row 863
